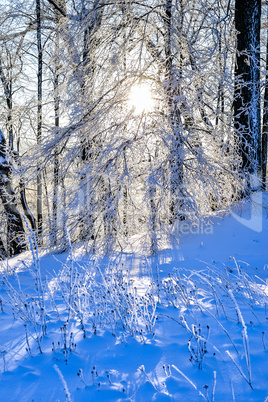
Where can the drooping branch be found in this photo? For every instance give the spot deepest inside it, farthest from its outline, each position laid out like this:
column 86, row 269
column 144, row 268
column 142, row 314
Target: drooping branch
column 59, row 6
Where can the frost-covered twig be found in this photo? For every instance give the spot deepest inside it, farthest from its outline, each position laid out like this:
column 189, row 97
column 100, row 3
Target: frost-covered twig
column 142, row 369
column 244, row 336
column 188, row 379
column 222, row 327
column 238, row 368
column 214, row 385
column 266, row 398
column 67, row 393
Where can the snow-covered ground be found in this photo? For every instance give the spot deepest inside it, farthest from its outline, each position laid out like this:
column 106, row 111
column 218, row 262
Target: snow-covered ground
column 189, row 324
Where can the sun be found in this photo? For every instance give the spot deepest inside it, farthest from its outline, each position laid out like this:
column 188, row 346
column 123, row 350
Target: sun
column 140, row 99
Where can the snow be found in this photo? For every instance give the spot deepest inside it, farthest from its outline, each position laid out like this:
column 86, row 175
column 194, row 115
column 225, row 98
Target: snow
column 190, row 323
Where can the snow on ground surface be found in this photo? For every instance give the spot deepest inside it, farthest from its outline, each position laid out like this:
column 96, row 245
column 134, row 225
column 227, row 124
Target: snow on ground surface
column 189, row 324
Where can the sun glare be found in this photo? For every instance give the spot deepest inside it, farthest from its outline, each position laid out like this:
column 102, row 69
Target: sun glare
column 141, row 99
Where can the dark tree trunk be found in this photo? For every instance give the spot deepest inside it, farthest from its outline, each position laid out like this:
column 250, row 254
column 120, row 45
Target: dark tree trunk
column 247, row 87
column 57, row 126
column 15, row 230
column 3, row 252
column 39, row 118
column 25, row 206
column 265, row 123
column 26, row 209
column 7, row 86
column 220, row 95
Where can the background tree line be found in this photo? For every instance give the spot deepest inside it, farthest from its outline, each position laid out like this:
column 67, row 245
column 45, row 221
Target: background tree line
column 76, row 154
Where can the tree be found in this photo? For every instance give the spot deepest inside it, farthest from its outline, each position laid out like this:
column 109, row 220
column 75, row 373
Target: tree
column 59, row 8
column 247, row 87
column 178, row 149
column 39, row 117
column 15, row 230
column 172, row 95
column 7, row 78
column 265, row 119
column 120, row 171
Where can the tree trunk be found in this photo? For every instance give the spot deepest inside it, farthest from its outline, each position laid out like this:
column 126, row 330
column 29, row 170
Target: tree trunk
column 7, row 86
column 60, row 14
column 152, row 217
column 89, row 147
column 26, row 209
column 220, row 95
column 3, row 252
column 176, row 153
column 265, row 122
column 57, row 125
column 15, row 230
column 39, row 119
column 247, row 87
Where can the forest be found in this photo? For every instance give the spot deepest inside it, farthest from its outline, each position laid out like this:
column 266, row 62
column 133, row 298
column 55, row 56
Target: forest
column 123, row 119
column 133, row 202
